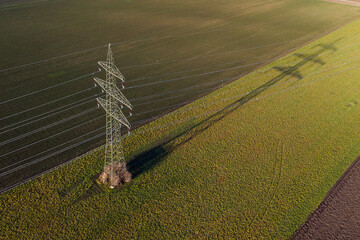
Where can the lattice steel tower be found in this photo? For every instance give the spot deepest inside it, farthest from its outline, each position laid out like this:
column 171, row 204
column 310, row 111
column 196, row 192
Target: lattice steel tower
column 113, row 103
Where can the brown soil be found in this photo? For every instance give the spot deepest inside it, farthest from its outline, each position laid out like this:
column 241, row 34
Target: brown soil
column 348, row 2
column 338, row 216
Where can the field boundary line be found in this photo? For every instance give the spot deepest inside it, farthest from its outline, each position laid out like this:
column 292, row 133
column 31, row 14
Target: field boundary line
column 333, row 192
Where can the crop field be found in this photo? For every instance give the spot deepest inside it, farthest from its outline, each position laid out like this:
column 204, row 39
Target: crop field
column 171, row 52
column 250, row 160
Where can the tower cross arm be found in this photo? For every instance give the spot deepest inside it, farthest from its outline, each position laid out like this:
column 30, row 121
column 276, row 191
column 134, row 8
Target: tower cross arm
column 114, row 112
column 113, row 91
column 112, row 69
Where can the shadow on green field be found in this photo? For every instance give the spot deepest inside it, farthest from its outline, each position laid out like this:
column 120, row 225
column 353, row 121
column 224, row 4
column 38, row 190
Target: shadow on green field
column 148, row 159
column 311, row 58
column 72, row 189
column 66, row 191
column 95, row 189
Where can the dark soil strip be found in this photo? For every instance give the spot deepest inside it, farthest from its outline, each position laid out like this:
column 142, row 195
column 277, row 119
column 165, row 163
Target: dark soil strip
column 338, row 216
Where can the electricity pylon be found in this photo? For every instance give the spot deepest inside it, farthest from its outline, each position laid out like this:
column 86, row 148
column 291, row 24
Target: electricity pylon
column 115, row 118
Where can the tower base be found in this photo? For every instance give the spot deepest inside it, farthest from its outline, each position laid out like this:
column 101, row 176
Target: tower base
column 115, row 174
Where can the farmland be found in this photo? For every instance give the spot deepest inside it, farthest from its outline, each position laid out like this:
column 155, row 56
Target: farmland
column 252, row 159
column 188, row 46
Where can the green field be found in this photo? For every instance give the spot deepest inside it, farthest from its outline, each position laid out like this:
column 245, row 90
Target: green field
column 250, row 160
column 195, row 44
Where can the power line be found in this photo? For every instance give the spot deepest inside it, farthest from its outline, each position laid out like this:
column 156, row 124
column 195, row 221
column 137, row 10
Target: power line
column 59, row 98
column 148, row 64
column 57, row 146
column 51, row 155
column 87, row 75
column 303, row 84
column 217, row 54
column 51, row 148
column 42, row 114
column 173, row 80
column 49, row 137
column 50, row 59
column 212, row 111
column 196, row 75
column 136, row 114
column 84, row 124
column 100, row 94
column 67, row 109
column 205, row 73
column 177, row 60
column 237, row 96
column 134, row 99
column 163, row 99
column 70, row 147
column 181, row 72
column 180, row 90
column 197, row 57
column 46, row 127
column 47, row 88
column 94, row 48
column 169, row 80
column 47, row 103
column 33, row 177
column 114, row 44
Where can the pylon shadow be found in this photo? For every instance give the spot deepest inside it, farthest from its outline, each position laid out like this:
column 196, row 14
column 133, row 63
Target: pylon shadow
column 148, row 159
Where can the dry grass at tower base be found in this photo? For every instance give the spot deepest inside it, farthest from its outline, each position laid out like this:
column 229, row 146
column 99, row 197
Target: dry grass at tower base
column 115, row 174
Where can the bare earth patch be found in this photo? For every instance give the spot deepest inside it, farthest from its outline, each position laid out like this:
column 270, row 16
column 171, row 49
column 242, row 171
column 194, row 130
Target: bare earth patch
column 338, row 216
column 348, row 2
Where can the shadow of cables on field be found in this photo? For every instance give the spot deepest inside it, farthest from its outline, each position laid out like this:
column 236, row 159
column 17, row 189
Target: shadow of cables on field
column 148, row 159
column 91, row 192
column 66, row 191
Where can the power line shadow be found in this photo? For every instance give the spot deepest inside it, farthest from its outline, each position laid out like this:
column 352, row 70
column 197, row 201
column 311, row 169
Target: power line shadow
column 94, row 190
column 66, row 191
